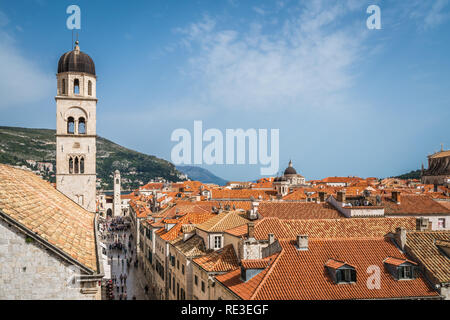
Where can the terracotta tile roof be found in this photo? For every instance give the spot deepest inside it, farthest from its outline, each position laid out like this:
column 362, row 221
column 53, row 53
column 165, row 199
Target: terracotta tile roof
column 423, row 246
column 188, row 207
column 331, row 228
column 335, row 264
column 152, row 186
column 193, row 247
column 242, row 194
column 190, row 218
column 301, row 275
column 38, row 206
column 224, row 221
column 255, row 263
column 244, row 205
column 397, row 262
column 140, row 208
column 341, row 179
column 299, row 210
column 445, row 204
column 222, row 260
column 128, row 196
column 414, row 205
column 238, row 231
column 245, row 290
column 296, row 195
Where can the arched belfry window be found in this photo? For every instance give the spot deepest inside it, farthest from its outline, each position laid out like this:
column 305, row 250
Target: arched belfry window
column 81, row 126
column 70, row 125
column 70, row 165
column 90, row 88
column 77, row 167
column 63, row 86
column 82, row 165
column 76, row 86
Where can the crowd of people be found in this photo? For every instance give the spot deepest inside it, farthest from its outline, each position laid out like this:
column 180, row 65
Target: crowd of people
column 119, row 242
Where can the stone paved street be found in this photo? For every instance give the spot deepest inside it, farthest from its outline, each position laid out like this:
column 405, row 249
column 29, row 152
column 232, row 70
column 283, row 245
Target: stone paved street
column 133, row 286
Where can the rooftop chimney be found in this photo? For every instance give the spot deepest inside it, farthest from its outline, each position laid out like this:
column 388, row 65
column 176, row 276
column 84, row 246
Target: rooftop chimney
column 302, row 242
column 396, row 196
column 251, row 229
column 341, row 196
column 400, row 237
column 271, row 238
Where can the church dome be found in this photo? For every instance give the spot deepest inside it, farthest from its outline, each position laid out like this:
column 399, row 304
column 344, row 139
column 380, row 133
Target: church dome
column 290, row 169
column 76, row 61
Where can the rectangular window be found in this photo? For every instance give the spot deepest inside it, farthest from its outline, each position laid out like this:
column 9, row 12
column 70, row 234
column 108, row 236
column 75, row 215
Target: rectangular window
column 405, row 272
column 203, row 286
column 217, row 242
column 170, row 281
column 345, row 275
column 196, row 280
column 182, row 268
column 441, row 223
column 178, row 264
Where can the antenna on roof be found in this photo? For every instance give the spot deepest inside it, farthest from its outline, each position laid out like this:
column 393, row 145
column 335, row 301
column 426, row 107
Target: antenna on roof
column 72, row 39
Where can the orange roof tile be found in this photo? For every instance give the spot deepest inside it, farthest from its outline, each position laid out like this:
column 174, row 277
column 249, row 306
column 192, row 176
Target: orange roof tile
column 223, row 221
column 397, row 262
column 414, row 205
column 300, row 274
column 331, row 228
column 298, row 210
column 221, row 260
column 37, row 205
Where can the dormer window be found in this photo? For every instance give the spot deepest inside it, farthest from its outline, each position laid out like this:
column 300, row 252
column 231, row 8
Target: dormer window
column 345, row 275
column 251, row 268
column 340, row 271
column 401, row 269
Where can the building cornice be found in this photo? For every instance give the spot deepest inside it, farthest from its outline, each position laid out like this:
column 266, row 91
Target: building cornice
column 80, row 98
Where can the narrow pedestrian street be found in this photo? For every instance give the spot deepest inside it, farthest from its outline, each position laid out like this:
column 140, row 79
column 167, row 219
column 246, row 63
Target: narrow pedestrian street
column 126, row 276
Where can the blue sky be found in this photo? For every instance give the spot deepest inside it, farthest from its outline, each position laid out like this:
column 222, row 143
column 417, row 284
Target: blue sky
column 347, row 100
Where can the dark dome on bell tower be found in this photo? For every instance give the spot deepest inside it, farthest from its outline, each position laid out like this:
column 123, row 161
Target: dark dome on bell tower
column 76, row 61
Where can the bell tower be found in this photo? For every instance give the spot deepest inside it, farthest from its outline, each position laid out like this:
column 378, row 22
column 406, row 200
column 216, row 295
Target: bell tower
column 117, row 199
column 76, row 105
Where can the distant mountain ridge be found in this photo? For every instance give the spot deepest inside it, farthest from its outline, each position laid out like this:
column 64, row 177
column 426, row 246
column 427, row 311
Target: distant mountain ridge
column 200, row 174
column 38, row 146
column 415, row 174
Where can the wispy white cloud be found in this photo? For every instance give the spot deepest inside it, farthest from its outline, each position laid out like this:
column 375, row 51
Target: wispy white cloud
column 305, row 62
column 428, row 14
column 22, row 81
